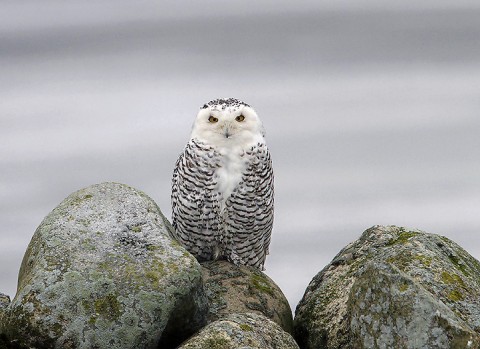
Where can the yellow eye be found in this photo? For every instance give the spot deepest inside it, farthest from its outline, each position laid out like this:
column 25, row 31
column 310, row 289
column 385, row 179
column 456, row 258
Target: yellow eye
column 212, row 119
column 240, row 118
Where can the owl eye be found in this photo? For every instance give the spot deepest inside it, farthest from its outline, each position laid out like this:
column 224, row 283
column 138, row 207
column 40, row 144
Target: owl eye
column 240, row 118
column 212, row 119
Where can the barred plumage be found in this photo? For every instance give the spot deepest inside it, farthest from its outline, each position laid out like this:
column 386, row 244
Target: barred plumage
column 222, row 190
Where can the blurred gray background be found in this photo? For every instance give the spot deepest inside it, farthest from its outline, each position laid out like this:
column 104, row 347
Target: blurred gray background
column 371, row 111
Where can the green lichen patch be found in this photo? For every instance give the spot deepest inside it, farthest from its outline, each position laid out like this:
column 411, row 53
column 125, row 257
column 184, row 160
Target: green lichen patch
column 108, row 307
column 246, row 327
column 401, row 261
column 455, row 296
column 426, row 261
column 218, row 341
column 402, row 238
column 77, row 200
column 136, row 228
column 157, row 271
column 407, row 260
column 449, row 279
column 457, row 262
column 88, row 244
column 152, row 248
column 258, row 282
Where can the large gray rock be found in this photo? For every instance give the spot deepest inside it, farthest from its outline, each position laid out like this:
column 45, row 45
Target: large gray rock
column 252, row 331
column 102, row 272
column 242, row 289
column 393, row 288
column 4, row 301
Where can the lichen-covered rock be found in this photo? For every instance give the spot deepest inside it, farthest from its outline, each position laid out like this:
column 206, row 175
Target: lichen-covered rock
column 246, row 330
column 393, row 288
column 242, row 289
column 102, row 272
column 389, row 309
column 4, row 301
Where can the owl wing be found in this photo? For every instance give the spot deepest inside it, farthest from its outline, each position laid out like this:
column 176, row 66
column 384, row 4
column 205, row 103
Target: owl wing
column 250, row 210
column 195, row 207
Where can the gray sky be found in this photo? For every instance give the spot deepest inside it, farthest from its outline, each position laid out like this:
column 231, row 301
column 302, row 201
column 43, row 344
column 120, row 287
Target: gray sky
column 371, row 112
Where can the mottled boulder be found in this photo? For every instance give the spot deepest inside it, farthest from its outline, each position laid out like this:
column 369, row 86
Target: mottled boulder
column 4, row 301
column 246, row 330
column 393, row 288
column 102, row 272
column 242, row 289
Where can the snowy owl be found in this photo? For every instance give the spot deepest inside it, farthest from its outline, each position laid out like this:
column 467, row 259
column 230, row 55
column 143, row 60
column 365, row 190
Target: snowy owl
column 222, row 188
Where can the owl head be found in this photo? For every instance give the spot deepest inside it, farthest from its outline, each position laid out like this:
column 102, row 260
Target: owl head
column 228, row 121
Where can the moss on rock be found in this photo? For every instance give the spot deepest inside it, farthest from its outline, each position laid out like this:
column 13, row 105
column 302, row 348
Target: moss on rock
column 4, row 301
column 246, row 330
column 393, row 288
column 241, row 289
column 102, row 271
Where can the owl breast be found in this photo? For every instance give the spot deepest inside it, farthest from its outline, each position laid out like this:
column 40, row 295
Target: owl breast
column 229, row 174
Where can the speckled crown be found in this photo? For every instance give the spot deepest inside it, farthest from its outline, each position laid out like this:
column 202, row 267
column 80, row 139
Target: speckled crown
column 224, row 103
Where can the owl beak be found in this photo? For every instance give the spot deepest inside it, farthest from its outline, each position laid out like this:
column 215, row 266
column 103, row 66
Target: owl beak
column 227, row 132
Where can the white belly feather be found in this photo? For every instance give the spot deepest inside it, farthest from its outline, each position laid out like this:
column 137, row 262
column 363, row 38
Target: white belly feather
column 230, row 174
